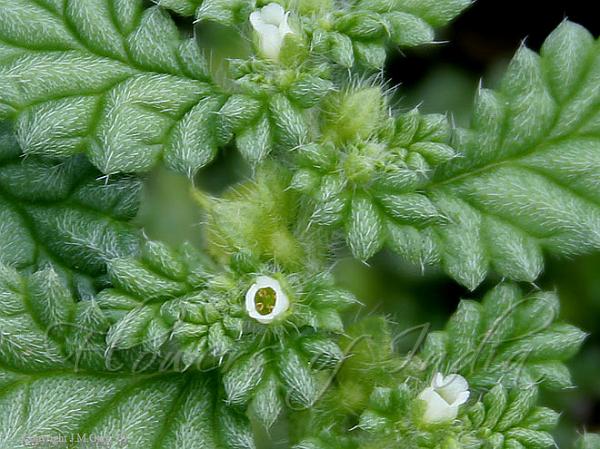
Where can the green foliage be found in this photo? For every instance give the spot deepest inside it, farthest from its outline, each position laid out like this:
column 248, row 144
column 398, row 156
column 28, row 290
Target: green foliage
column 359, row 31
column 509, row 339
column 180, row 312
column 183, row 7
column 362, row 32
column 367, row 169
column 526, row 180
column 104, row 330
column 109, row 79
column 520, row 180
column 505, row 346
column 157, row 411
column 119, row 83
column 63, row 213
column 272, row 109
column 226, row 13
column 501, row 419
column 47, row 393
column 362, row 116
column 588, row 441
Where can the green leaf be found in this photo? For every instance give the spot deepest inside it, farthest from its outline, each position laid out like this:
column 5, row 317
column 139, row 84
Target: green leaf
column 267, row 404
column 527, row 178
column 411, row 208
column 301, row 386
column 361, row 25
column 290, row 125
column 166, row 411
column 509, row 338
column 225, row 12
column 254, row 143
column 370, row 55
column 588, row 441
column 243, row 378
column 331, row 203
column 419, row 248
column 407, row 30
column 518, row 407
column 237, row 112
column 364, row 228
column 309, row 90
column 62, row 212
column 368, row 25
column 51, row 302
column 109, row 79
column 435, row 12
column 47, row 389
column 183, row 7
column 341, row 49
column 25, row 342
column 513, row 417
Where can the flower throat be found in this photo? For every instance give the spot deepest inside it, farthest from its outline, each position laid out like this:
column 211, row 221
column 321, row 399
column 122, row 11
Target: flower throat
column 265, row 300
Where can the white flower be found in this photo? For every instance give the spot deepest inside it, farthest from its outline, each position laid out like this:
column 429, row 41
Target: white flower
column 265, row 300
column 444, row 397
column 271, row 24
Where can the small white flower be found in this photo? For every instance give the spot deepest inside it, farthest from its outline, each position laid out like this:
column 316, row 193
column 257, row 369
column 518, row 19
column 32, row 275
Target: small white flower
column 271, row 25
column 444, row 397
column 265, row 300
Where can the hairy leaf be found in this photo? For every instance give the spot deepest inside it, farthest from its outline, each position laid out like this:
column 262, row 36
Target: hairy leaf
column 509, row 338
column 49, row 387
column 588, row 441
column 183, row 7
column 528, row 175
column 166, row 411
column 61, row 212
column 181, row 311
column 106, row 78
column 361, row 32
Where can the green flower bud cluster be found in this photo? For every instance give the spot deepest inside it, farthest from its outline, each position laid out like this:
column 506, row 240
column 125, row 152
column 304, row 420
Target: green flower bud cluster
column 271, row 108
column 499, row 419
column 180, row 311
column 272, row 225
column 498, row 345
column 367, row 168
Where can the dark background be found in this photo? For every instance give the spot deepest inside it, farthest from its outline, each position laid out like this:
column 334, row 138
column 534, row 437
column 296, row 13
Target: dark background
column 443, row 78
column 491, row 30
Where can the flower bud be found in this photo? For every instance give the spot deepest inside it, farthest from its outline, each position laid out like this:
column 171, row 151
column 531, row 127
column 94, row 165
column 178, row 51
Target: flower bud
column 443, row 398
column 271, row 25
